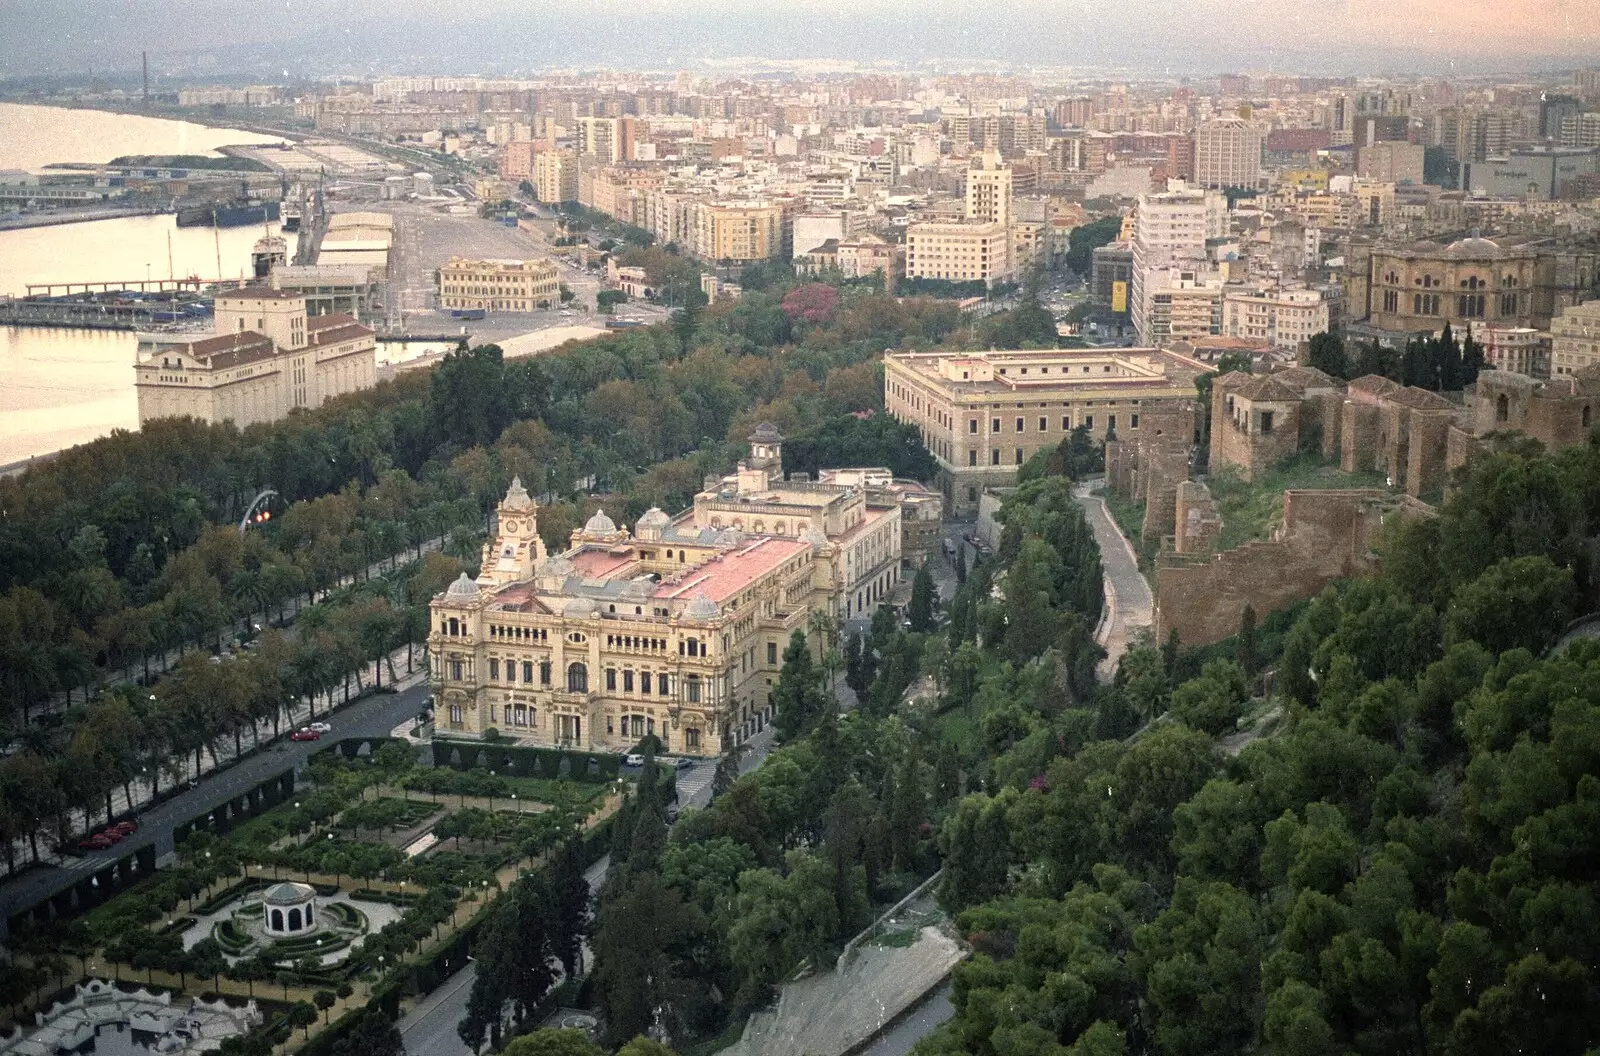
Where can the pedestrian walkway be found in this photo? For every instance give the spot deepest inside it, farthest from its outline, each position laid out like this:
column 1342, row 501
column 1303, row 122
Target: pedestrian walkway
column 1130, row 606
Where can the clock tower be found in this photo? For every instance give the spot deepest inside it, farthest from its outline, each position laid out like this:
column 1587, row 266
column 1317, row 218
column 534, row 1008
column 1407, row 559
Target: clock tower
column 516, row 548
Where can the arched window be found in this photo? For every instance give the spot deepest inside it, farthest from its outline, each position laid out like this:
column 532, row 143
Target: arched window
column 455, row 626
column 277, row 920
column 294, row 919
column 1502, row 409
column 577, row 678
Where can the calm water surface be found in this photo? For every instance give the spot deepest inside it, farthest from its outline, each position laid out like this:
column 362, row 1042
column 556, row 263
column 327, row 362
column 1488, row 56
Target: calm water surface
column 32, row 137
column 65, row 387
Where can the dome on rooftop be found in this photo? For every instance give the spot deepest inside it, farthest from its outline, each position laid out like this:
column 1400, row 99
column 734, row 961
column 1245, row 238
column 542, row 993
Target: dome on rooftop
column 517, row 496
column 288, row 894
column 766, row 433
column 701, row 608
column 1473, row 247
column 462, row 588
column 600, row 524
column 654, row 518
column 582, row 608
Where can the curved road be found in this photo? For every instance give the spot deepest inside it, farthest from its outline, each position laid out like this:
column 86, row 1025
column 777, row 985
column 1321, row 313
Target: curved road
column 1129, row 603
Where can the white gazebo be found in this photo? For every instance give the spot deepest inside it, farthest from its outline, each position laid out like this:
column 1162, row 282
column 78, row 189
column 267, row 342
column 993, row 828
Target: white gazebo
column 289, row 909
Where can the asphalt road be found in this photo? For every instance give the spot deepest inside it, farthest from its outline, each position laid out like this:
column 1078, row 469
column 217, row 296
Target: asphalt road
column 914, row 1026
column 372, row 716
column 429, row 1029
column 1132, row 606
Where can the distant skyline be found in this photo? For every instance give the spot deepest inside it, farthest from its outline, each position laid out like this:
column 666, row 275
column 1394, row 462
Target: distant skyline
column 307, row 38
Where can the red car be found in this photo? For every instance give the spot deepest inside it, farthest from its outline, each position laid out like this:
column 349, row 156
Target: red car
column 112, row 836
column 97, row 842
column 127, row 828
column 306, row 735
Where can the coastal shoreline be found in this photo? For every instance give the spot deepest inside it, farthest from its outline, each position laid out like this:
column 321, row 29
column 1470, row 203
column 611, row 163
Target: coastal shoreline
column 206, row 120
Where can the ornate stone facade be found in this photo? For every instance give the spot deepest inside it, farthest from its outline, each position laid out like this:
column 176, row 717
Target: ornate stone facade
column 1419, row 287
column 675, row 629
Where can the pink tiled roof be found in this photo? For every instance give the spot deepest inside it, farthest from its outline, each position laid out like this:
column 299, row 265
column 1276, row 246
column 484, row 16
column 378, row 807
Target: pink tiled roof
column 733, row 570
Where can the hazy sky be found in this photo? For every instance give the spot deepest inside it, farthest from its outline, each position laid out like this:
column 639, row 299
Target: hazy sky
column 314, row 37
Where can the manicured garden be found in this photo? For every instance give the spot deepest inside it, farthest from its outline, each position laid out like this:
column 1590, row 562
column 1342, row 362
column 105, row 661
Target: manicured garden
column 343, row 833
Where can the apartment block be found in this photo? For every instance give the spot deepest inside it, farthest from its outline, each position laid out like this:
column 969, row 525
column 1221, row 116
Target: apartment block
column 959, row 252
column 1227, row 153
column 1575, row 339
column 1281, row 318
column 555, row 176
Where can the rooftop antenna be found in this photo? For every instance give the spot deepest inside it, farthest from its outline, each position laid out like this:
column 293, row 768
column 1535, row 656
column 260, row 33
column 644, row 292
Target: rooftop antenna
column 144, row 57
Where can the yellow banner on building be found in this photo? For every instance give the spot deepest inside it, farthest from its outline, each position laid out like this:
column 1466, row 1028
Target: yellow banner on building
column 1119, row 296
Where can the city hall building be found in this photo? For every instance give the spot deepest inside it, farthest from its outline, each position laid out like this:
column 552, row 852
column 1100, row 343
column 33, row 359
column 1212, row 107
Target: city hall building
column 675, row 629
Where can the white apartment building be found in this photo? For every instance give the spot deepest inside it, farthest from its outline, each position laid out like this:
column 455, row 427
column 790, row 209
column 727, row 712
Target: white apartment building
column 1575, row 338
column 555, row 176
column 1282, row 318
column 959, row 252
column 1170, row 229
column 1519, row 349
column 989, row 191
column 1227, row 153
column 1182, row 304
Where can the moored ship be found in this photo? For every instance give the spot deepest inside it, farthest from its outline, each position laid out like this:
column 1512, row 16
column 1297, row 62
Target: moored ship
column 236, row 213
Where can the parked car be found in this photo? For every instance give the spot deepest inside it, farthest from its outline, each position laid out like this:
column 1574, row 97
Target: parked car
column 634, row 760
column 97, row 842
column 320, row 727
column 306, row 735
column 111, row 836
column 684, row 762
column 127, row 828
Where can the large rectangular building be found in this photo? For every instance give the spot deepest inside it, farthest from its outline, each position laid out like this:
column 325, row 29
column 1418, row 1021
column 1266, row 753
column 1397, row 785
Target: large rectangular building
column 959, row 252
column 1528, row 173
column 1281, row 318
column 499, row 285
column 983, row 414
column 555, row 176
column 1227, row 153
column 1169, row 229
column 268, row 356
